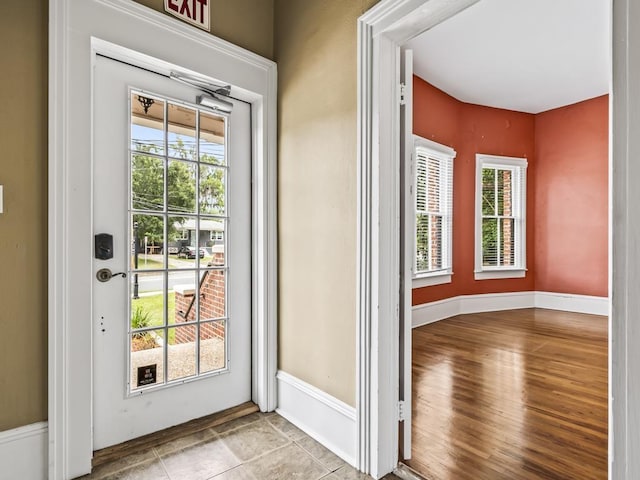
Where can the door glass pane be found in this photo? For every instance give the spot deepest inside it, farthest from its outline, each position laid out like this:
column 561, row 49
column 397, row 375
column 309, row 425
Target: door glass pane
column 181, row 352
column 147, row 359
column 181, row 133
column 178, row 229
column 213, row 294
column 217, row 256
column 182, row 299
column 181, row 187
column 212, row 240
column 187, row 257
column 183, row 234
column 147, row 182
column 212, row 346
column 147, row 307
column 212, row 190
column 147, row 241
column 147, row 124
column 212, row 139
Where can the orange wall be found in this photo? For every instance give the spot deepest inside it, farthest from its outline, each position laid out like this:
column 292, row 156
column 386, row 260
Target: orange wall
column 471, row 129
column 571, row 236
column 567, row 143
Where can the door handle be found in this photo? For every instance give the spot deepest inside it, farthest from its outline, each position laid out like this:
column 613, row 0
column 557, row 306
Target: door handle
column 105, row 274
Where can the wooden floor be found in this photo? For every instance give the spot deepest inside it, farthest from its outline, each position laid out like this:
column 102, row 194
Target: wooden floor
column 519, row 394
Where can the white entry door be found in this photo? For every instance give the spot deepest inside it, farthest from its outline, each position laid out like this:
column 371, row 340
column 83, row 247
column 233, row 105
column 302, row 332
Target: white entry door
column 172, row 200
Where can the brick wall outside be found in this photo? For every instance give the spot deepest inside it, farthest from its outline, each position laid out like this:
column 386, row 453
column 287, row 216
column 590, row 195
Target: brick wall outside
column 212, row 305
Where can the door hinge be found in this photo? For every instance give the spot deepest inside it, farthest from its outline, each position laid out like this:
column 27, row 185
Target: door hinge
column 401, row 411
column 403, row 88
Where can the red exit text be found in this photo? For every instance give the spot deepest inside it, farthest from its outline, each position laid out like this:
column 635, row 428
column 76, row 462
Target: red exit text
column 195, row 12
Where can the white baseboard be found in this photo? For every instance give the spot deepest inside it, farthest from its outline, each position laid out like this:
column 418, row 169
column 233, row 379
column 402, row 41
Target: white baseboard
column 323, row 417
column 449, row 307
column 493, row 302
column 573, row 303
column 24, row 452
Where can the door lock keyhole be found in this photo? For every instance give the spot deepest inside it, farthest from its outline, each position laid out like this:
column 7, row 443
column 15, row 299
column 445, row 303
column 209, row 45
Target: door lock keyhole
column 105, row 274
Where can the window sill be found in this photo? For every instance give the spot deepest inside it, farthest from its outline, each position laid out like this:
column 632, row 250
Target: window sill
column 430, row 280
column 497, row 274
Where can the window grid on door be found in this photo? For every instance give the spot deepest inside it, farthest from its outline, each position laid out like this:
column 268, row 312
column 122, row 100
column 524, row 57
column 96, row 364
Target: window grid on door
column 178, row 196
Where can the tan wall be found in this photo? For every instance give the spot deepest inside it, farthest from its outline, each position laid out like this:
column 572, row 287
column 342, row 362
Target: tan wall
column 23, row 172
column 315, row 46
column 317, row 68
column 246, row 23
column 23, row 225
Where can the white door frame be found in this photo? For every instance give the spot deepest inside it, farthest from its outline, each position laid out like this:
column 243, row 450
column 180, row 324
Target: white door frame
column 624, row 238
column 381, row 32
column 121, row 29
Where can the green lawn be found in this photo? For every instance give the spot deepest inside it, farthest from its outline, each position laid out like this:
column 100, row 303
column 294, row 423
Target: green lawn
column 153, row 305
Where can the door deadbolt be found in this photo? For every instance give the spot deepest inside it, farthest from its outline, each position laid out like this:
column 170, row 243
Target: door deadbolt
column 103, row 246
column 105, row 274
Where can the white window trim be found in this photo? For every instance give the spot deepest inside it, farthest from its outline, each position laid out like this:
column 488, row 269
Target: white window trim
column 439, row 277
column 490, row 274
column 432, row 279
column 518, row 271
column 215, row 235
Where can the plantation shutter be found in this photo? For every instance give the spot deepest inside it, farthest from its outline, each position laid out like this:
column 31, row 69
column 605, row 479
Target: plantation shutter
column 434, row 208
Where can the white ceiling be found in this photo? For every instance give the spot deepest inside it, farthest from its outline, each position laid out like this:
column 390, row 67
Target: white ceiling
column 524, row 55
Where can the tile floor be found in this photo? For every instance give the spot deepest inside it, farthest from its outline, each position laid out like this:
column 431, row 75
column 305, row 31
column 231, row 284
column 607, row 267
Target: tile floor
column 256, row 447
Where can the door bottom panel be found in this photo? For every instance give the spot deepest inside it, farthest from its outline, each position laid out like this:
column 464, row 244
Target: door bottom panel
column 115, row 452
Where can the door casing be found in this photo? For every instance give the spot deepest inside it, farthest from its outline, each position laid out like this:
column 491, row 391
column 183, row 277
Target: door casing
column 126, row 31
column 381, row 33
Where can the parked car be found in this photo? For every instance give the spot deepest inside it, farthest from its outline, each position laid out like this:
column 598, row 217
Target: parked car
column 190, row 252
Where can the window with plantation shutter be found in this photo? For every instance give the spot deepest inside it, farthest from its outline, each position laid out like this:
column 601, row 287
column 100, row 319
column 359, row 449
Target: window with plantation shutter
column 500, row 250
column 433, row 220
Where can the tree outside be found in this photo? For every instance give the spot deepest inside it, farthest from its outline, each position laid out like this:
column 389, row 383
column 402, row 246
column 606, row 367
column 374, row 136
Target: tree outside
column 147, row 186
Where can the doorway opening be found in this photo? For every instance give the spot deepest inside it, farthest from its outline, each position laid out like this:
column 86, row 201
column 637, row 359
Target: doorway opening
column 530, row 124
column 383, row 32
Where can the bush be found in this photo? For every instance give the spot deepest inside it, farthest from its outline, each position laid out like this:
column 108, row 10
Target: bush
column 140, row 318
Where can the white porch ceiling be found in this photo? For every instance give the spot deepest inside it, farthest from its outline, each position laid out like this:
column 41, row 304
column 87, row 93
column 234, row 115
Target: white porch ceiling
column 524, row 55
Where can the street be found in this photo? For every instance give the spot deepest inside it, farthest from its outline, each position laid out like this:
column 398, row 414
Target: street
column 152, row 282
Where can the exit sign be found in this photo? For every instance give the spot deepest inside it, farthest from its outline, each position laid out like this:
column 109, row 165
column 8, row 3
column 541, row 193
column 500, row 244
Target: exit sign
column 196, row 12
